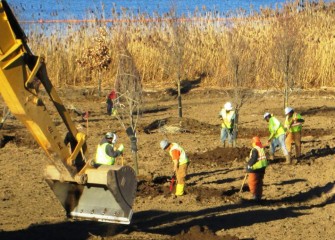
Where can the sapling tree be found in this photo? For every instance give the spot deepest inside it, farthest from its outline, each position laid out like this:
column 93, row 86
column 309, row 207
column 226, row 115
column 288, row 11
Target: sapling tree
column 239, row 64
column 175, row 48
column 288, row 49
column 129, row 96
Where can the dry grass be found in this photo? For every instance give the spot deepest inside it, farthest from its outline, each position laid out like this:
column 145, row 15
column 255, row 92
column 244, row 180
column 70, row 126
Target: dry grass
column 206, row 47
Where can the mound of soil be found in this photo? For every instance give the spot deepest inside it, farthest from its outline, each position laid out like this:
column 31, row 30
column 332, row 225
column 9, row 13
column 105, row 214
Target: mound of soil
column 183, row 125
column 197, row 232
column 220, row 156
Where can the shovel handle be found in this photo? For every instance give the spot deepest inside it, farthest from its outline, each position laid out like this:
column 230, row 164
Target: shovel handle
column 172, row 183
column 122, row 160
column 245, row 178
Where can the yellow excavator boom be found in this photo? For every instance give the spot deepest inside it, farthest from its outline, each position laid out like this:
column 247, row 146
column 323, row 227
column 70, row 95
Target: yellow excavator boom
column 104, row 193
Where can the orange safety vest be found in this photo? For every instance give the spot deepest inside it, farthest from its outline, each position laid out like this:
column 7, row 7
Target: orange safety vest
column 183, row 158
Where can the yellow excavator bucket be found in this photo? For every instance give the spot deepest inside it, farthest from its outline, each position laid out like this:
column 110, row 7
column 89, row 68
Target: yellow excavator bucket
column 106, row 199
column 104, row 193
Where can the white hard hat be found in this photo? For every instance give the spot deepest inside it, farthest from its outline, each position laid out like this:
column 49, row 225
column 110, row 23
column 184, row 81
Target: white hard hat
column 228, row 106
column 288, row 110
column 111, row 135
column 164, row 144
column 266, row 115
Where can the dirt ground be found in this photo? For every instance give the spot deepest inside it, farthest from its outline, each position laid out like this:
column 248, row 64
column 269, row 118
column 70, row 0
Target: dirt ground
column 294, row 206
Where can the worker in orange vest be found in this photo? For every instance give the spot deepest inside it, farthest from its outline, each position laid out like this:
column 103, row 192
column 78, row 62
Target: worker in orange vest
column 180, row 164
column 256, row 168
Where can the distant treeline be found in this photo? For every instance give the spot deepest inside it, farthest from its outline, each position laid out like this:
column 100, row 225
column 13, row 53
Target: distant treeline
column 294, row 45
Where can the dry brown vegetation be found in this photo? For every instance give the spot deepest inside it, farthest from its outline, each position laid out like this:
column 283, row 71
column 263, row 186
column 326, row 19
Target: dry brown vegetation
column 267, row 50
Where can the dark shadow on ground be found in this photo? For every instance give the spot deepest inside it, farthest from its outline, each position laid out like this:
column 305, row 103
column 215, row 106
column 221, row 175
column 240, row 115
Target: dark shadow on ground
column 323, row 110
column 302, row 197
column 316, row 153
column 60, row 231
column 199, row 174
column 221, row 181
column 173, row 223
column 288, row 182
column 215, row 219
column 185, row 87
column 195, row 178
column 4, row 139
column 277, row 160
column 316, row 133
column 155, row 109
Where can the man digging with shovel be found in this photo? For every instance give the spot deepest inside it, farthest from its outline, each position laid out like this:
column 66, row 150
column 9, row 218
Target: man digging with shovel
column 277, row 137
column 180, row 164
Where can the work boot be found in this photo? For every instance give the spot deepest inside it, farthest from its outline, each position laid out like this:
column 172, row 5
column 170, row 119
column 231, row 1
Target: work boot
column 288, row 159
column 256, row 198
column 180, row 189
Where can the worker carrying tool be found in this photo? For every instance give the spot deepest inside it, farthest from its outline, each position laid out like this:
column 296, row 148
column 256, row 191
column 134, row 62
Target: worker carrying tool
column 227, row 115
column 277, row 136
column 293, row 125
column 106, row 153
column 180, row 164
column 256, row 168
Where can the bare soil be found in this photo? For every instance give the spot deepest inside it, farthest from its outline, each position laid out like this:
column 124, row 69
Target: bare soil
column 294, row 205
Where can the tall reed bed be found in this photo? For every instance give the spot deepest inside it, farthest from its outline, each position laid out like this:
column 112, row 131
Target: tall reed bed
column 260, row 51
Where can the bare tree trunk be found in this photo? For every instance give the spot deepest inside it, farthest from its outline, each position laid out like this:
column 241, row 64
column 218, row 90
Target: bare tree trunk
column 235, row 130
column 180, row 109
column 135, row 162
column 129, row 88
column 286, row 91
column 99, row 83
column 237, row 99
column 133, row 145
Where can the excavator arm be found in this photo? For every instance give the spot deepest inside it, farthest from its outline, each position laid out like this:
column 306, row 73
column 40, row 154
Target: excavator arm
column 105, row 193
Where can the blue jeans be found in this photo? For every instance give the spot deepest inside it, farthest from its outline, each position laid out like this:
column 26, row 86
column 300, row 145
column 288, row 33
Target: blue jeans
column 109, row 107
column 225, row 134
column 278, row 142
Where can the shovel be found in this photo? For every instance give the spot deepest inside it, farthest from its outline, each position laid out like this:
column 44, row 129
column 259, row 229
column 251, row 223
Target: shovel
column 172, row 182
column 245, row 178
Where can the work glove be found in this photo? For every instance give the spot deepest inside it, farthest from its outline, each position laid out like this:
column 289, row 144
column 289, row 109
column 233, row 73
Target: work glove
column 121, row 148
column 249, row 168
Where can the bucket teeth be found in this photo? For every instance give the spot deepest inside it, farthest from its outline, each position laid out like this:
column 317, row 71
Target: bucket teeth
column 110, row 202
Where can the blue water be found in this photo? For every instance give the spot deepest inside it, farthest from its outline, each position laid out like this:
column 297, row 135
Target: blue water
column 81, row 9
